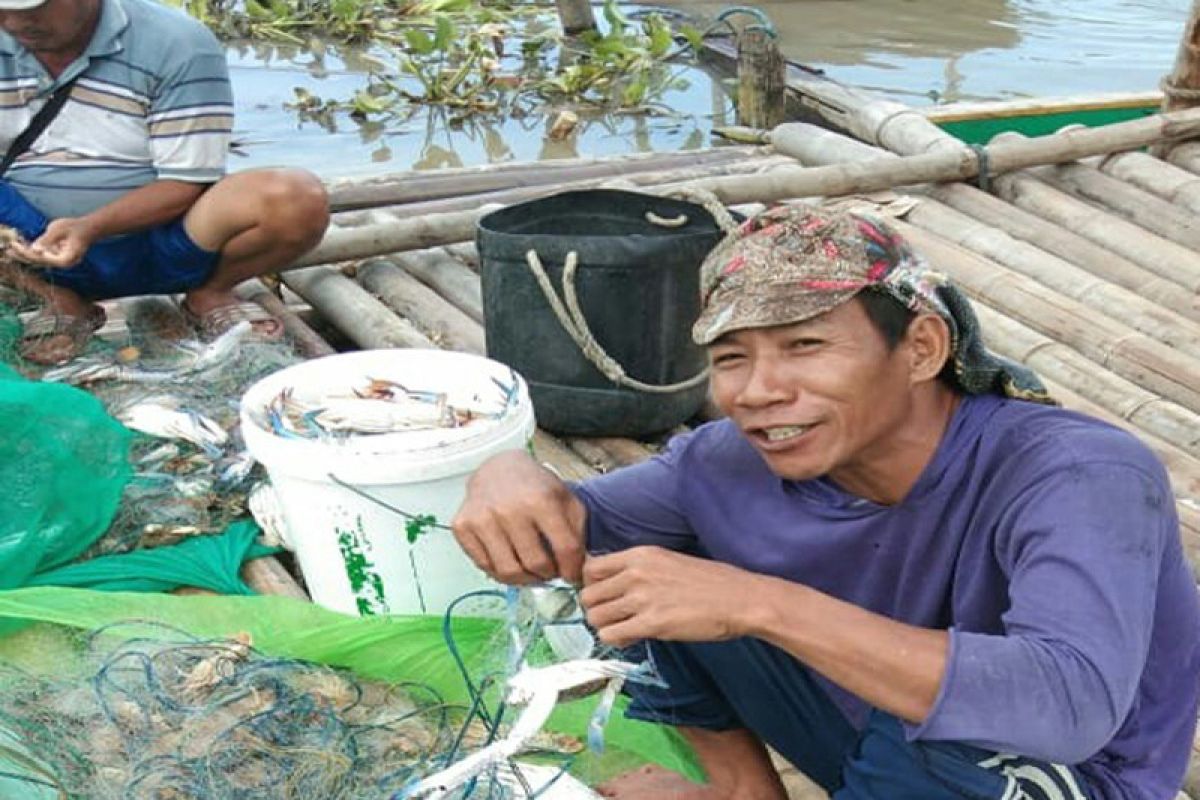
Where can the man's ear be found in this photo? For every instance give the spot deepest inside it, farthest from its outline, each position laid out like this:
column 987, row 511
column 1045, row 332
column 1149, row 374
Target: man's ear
column 928, row 344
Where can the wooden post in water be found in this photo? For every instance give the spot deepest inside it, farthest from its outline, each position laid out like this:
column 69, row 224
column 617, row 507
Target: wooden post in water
column 1181, row 88
column 761, row 79
column 576, row 16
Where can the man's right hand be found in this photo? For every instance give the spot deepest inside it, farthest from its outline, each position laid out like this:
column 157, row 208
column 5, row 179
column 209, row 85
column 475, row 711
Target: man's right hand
column 63, row 244
column 520, row 523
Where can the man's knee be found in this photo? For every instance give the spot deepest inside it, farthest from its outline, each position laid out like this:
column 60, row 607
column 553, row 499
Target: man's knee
column 294, row 202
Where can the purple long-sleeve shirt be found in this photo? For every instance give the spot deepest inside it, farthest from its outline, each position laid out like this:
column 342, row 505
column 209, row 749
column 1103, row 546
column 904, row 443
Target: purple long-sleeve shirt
column 1046, row 542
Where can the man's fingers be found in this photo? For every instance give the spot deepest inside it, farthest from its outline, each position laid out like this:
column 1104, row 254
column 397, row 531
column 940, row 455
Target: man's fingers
column 609, row 612
column 531, row 550
column 599, row 568
column 506, row 566
column 26, row 252
column 624, row 633
column 474, row 549
column 598, row 591
column 565, row 535
column 37, row 254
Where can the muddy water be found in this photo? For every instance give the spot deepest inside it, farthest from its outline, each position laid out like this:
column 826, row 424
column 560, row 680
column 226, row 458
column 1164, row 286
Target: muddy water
column 917, row 51
column 924, row 51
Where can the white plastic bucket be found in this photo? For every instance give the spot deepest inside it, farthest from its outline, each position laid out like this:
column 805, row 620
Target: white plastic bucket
column 355, row 552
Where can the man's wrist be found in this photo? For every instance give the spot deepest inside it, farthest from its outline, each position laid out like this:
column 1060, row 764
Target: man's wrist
column 757, row 614
column 90, row 228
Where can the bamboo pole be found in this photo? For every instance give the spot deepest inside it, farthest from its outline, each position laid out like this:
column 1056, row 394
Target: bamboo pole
column 1112, row 344
column 1136, row 205
column 1161, row 256
column 267, row 576
column 409, row 187
column 1067, row 244
column 950, row 164
column 1185, row 155
column 436, row 229
column 1061, row 276
column 596, row 456
column 815, row 145
column 1066, row 366
column 446, row 275
column 410, row 234
column 1153, row 175
column 576, row 16
column 444, row 324
column 367, row 321
column 465, row 252
column 760, row 79
column 625, row 452
column 1182, row 87
column 384, row 214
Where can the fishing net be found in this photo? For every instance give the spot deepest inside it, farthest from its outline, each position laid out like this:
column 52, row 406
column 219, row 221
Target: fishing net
column 190, row 474
column 265, row 697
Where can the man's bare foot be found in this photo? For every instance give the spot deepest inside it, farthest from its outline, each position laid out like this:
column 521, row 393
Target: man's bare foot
column 653, row 782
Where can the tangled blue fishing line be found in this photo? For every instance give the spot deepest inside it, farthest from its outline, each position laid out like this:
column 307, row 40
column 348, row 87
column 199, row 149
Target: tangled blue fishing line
column 151, row 711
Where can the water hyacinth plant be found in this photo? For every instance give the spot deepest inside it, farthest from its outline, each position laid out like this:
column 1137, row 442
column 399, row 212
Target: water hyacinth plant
column 474, row 58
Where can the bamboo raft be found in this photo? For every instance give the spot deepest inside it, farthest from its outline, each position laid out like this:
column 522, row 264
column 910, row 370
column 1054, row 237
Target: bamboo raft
column 1080, row 251
column 1081, row 256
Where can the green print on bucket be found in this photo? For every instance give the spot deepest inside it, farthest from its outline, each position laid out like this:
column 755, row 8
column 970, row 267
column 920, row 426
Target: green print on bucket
column 417, row 525
column 364, row 581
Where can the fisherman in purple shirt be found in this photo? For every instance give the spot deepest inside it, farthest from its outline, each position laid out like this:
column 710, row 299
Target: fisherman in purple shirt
column 895, row 561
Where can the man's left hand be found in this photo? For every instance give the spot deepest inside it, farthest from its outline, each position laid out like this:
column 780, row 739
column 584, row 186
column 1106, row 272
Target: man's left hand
column 63, row 244
column 652, row 593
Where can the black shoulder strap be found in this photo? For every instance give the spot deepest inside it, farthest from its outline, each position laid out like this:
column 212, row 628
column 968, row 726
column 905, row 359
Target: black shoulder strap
column 41, row 119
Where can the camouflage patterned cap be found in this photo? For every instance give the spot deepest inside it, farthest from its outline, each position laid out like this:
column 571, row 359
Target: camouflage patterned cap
column 792, row 263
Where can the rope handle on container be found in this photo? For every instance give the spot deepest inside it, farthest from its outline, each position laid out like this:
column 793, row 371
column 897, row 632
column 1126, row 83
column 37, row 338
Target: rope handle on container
column 701, row 197
column 570, row 316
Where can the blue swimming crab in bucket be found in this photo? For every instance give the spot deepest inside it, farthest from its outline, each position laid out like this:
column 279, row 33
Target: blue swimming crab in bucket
column 382, row 406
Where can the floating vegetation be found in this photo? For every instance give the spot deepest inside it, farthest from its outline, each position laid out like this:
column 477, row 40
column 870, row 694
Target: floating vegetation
column 493, row 59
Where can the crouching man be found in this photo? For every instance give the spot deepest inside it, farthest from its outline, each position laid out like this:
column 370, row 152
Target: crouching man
column 894, row 561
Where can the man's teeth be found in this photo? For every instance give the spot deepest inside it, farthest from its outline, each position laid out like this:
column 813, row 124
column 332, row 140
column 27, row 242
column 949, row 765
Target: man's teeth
column 785, row 432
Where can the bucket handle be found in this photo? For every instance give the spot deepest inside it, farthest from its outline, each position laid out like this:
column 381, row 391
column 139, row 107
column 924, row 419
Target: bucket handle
column 570, row 316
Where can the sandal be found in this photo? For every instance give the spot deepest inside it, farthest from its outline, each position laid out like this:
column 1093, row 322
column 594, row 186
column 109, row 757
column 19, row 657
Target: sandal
column 51, row 338
column 265, row 326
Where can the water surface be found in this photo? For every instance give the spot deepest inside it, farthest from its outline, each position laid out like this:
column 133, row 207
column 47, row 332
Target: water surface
column 915, row 51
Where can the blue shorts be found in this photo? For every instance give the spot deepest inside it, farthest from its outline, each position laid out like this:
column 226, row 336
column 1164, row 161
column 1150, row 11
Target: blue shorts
column 162, row 260
column 746, row 683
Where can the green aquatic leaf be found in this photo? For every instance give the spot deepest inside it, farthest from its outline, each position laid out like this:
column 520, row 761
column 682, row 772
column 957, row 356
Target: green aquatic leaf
column 635, row 92
column 617, row 21
column 661, row 39
column 419, row 41
column 345, row 10
column 444, row 33
column 255, row 9
column 694, row 36
column 365, row 103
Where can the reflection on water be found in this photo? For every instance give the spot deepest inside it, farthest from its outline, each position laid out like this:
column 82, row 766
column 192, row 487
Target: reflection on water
column 265, row 79
column 917, row 51
column 922, row 51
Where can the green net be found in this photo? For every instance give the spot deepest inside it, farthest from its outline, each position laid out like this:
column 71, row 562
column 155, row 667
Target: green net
column 63, row 466
column 322, row 705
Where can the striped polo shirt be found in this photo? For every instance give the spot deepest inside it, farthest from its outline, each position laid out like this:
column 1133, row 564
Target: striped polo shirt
column 152, row 102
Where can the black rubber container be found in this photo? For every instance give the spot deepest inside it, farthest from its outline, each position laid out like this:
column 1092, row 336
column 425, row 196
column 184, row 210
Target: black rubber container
column 638, row 288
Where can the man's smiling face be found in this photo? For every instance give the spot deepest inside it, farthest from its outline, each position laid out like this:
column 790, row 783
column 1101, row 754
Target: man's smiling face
column 817, row 397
